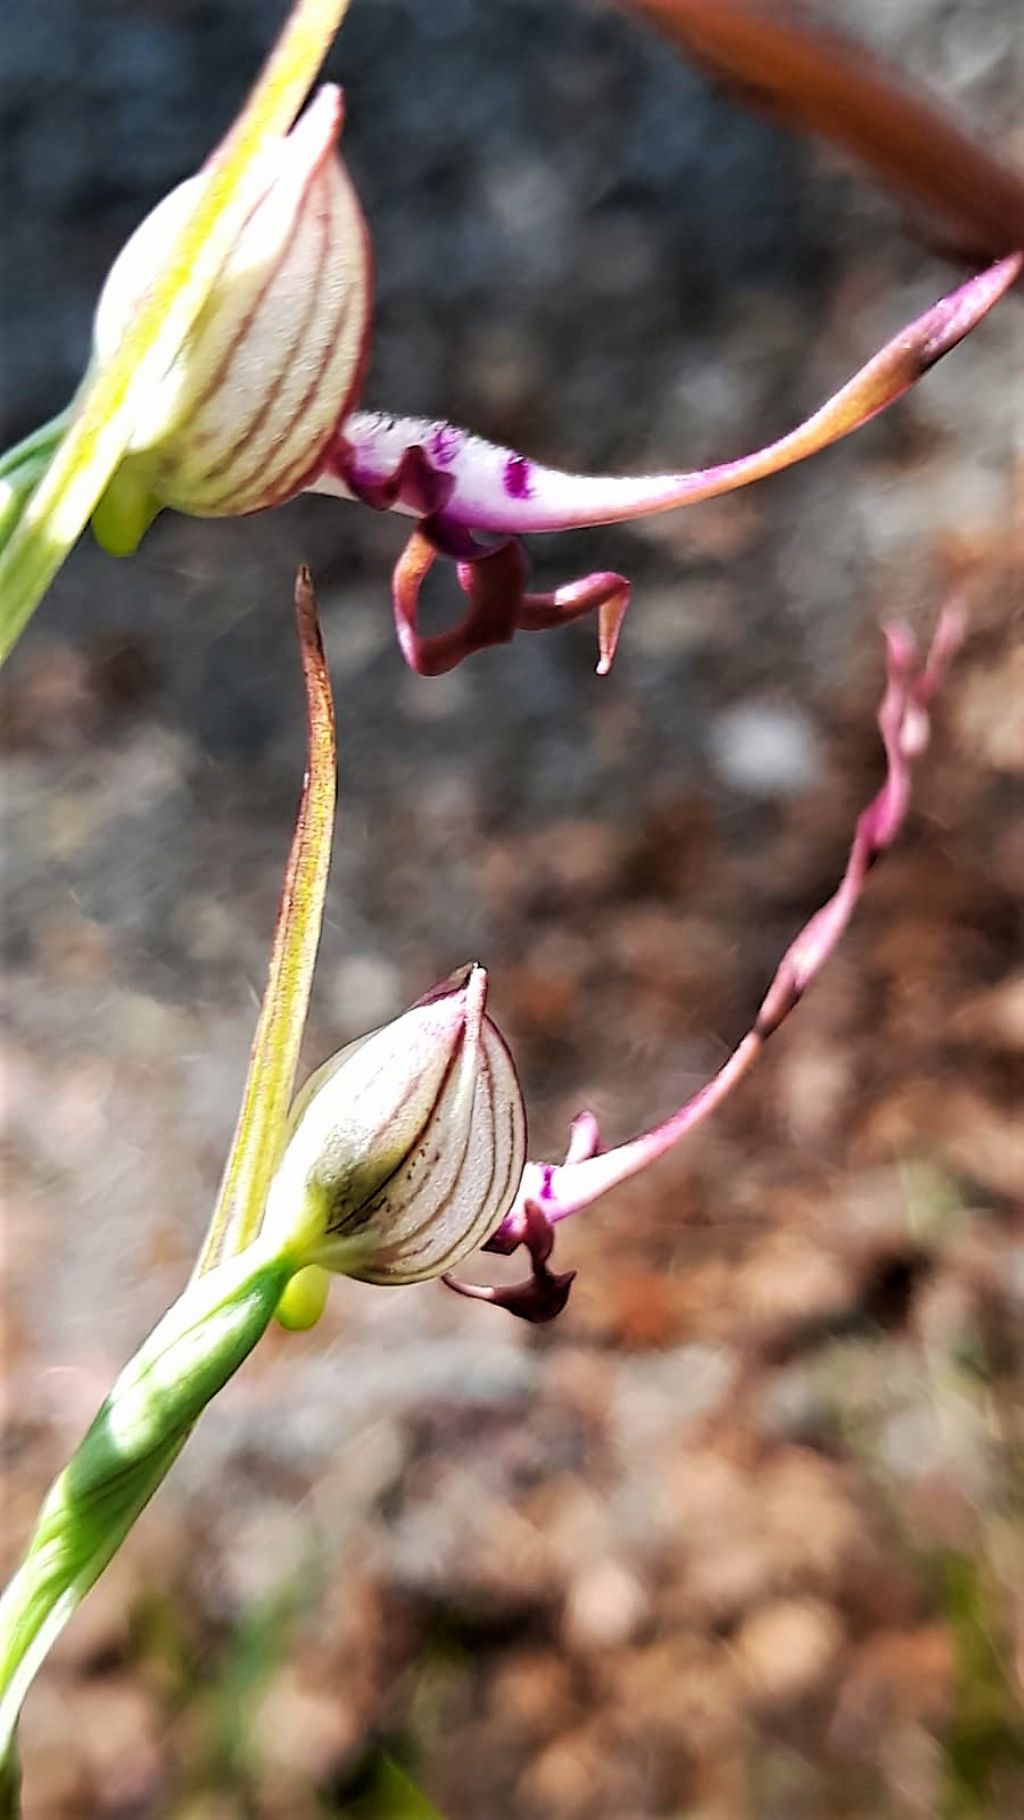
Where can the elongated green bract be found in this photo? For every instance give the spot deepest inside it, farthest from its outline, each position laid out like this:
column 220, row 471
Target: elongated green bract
column 259, row 1134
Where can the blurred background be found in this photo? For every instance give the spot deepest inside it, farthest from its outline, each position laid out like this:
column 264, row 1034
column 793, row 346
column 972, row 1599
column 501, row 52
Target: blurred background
column 739, row 1537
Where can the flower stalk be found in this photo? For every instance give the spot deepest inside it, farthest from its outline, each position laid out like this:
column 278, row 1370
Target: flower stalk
column 810, row 75
column 130, row 1447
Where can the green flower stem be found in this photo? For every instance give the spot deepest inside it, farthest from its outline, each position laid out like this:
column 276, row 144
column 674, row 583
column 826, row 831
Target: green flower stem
column 16, row 489
column 134, row 1440
column 22, row 468
column 41, row 442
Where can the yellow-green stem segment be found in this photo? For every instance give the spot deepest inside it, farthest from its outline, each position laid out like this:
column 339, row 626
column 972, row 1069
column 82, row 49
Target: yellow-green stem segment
column 135, row 1439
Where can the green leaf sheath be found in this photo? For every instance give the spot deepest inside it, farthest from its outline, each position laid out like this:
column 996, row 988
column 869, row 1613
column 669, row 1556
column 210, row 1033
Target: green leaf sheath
column 134, row 1440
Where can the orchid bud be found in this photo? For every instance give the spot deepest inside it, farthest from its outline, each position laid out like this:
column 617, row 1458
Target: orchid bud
column 242, row 418
column 407, row 1148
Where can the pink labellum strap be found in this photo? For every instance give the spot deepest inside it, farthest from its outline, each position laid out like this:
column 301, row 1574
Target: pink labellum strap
column 550, row 1192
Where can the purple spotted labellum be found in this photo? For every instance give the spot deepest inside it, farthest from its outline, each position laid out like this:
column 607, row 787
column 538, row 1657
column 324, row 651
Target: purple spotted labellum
column 474, row 501
column 550, row 1192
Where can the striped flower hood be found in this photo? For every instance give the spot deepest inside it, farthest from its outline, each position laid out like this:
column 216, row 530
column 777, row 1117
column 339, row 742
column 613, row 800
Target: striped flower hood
column 243, row 417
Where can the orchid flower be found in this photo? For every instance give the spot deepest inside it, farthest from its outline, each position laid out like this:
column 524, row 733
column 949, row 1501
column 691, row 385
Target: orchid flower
column 550, row 1192
column 474, row 500
column 229, row 347
column 259, row 436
